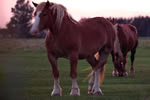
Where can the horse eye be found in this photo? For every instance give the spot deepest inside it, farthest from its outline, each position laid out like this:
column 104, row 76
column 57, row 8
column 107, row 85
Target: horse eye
column 44, row 14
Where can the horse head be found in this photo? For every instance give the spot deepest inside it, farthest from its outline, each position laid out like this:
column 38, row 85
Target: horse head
column 119, row 65
column 118, row 55
column 43, row 16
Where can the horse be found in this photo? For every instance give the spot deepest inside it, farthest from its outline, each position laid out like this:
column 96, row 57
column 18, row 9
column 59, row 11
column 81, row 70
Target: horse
column 73, row 40
column 128, row 41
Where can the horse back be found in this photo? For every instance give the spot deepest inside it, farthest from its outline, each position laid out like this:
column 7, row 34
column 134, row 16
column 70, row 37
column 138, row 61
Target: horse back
column 96, row 33
column 127, row 36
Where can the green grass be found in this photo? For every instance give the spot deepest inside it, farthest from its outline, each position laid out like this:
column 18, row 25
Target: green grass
column 25, row 74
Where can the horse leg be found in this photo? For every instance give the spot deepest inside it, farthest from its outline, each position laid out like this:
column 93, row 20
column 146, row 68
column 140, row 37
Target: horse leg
column 104, row 53
column 115, row 72
column 92, row 61
column 125, row 73
column 57, row 90
column 132, row 60
column 75, row 91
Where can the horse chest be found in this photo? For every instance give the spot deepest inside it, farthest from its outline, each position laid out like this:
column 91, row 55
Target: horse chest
column 59, row 49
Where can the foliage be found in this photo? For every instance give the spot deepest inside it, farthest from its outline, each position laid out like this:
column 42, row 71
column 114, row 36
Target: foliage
column 20, row 22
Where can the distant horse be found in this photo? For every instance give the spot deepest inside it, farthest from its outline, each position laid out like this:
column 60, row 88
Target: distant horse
column 128, row 41
column 74, row 40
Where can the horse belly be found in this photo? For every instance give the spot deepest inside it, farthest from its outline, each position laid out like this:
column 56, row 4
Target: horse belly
column 89, row 50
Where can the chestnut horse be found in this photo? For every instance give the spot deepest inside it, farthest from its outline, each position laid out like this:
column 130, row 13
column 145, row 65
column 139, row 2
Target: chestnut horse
column 128, row 41
column 74, row 40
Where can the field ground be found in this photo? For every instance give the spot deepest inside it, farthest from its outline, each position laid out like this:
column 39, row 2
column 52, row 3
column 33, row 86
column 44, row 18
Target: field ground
column 25, row 74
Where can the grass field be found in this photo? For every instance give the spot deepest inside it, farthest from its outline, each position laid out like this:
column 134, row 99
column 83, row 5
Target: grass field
column 25, row 74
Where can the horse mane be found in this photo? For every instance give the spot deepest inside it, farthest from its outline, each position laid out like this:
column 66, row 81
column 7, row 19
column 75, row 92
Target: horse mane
column 117, row 48
column 60, row 11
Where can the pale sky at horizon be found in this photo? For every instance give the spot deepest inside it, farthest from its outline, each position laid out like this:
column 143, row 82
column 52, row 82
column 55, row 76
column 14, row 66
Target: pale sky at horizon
column 88, row 8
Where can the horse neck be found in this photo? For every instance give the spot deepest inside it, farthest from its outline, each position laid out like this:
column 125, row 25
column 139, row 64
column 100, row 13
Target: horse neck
column 67, row 21
column 117, row 47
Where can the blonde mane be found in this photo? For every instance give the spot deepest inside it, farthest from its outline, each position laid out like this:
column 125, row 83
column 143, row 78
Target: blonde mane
column 117, row 48
column 60, row 10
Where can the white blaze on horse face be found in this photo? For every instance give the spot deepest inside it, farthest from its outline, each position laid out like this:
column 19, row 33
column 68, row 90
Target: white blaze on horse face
column 35, row 26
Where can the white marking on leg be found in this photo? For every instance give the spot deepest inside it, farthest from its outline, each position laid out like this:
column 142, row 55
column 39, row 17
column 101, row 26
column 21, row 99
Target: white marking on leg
column 74, row 83
column 96, row 89
column 125, row 74
column 115, row 73
column 96, row 81
column 57, row 91
column 75, row 91
column 35, row 26
column 91, row 83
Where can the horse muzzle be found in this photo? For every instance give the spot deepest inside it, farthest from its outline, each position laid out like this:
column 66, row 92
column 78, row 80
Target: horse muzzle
column 34, row 32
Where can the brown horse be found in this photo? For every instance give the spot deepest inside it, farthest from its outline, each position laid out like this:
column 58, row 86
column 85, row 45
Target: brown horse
column 128, row 41
column 74, row 40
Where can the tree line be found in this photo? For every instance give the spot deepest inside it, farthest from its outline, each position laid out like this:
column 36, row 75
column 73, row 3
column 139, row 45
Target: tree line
column 142, row 23
column 21, row 22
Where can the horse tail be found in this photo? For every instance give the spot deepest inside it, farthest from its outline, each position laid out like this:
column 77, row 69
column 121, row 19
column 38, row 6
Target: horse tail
column 134, row 29
column 102, row 71
column 101, row 76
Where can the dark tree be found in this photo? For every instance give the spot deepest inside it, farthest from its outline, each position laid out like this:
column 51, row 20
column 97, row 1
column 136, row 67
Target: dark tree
column 20, row 22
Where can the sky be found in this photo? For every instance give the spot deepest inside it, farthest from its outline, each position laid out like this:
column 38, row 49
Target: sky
column 88, row 8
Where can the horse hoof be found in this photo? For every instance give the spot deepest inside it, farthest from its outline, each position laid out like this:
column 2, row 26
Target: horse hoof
column 57, row 92
column 56, row 95
column 114, row 74
column 125, row 74
column 90, row 92
column 98, row 93
column 75, row 92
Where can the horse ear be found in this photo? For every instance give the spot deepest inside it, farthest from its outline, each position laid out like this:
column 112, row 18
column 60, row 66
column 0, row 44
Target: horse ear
column 114, row 21
column 35, row 4
column 47, row 4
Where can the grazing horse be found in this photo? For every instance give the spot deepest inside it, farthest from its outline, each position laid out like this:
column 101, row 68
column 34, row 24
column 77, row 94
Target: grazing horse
column 74, row 40
column 128, row 41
